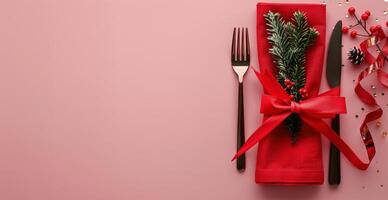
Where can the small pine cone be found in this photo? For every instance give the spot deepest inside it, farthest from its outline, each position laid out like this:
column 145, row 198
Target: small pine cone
column 356, row 56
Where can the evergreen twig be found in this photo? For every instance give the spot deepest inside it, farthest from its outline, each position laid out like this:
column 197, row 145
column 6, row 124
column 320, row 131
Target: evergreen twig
column 289, row 42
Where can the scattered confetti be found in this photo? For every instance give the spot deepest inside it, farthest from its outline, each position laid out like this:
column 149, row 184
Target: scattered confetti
column 385, row 12
column 373, row 87
column 385, row 133
column 374, row 94
column 339, row 4
column 377, row 20
column 356, row 116
column 381, row 185
column 362, row 109
column 377, row 171
column 378, row 123
column 382, row 94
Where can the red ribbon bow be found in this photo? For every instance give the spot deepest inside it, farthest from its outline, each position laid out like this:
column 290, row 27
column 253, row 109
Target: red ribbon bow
column 276, row 104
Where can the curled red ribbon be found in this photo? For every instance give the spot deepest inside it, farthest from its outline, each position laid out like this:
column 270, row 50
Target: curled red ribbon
column 277, row 105
column 375, row 64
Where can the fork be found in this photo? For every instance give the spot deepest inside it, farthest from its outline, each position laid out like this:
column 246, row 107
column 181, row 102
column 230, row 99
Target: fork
column 240, row 58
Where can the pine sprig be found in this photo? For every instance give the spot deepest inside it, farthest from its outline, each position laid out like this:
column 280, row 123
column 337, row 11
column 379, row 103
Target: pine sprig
column 280, row 41
column 302, row 36
column 289, row 42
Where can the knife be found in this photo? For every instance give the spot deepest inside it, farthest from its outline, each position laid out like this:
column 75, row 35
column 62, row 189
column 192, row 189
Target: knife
column 333, row 75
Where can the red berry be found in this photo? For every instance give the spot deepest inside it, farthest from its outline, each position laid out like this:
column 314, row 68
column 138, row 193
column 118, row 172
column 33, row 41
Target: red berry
column 353, row 34
column 372, row 29
column 292, row 96
column 367, row 12
column 378, row 28
column 302, row 90
column 345, row 29
column 352, row 10
column 287, row 81
column 364, row 16
column 305, row 96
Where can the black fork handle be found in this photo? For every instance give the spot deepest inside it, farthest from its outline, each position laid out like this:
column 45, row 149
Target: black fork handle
column 335, row 159
column 240, row 127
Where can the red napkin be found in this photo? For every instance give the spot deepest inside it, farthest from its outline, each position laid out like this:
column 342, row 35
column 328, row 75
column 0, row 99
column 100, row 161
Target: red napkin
column 278, row 160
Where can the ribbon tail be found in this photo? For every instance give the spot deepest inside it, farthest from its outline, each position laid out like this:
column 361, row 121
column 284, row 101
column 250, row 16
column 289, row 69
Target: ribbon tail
column 325, row 130
column 265, row 129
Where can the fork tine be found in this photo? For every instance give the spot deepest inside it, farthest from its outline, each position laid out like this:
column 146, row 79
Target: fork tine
column 242, row 45
column 248, row 53
column 238, row 45
column 233, row 54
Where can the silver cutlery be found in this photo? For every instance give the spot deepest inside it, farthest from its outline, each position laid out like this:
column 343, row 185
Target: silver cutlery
column 240, row 58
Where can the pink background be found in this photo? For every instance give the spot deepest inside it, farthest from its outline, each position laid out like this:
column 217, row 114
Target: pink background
column 118, row 99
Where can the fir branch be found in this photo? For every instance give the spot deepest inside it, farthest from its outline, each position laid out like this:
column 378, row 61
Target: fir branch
column 289, row 42
column 280, row 41
column 302, row 36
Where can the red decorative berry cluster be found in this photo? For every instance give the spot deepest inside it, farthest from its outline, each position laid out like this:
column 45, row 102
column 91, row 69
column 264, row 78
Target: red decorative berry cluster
column 288, row 83
column 302, row 91
column 374, row 30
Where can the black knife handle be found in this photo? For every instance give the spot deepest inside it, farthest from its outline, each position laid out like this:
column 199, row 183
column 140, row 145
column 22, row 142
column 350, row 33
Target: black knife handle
column 240, row 127
column 335, row 159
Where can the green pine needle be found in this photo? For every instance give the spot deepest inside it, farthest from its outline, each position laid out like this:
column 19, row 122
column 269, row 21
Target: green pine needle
column 289, row 42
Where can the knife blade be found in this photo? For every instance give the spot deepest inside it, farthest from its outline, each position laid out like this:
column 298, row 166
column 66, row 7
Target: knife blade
column 333, row 76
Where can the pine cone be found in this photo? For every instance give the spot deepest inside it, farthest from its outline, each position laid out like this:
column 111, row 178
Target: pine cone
column 356, row 56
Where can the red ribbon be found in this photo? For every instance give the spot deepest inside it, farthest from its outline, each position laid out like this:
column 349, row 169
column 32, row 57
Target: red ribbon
column 375, row 64
column 277, row 105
